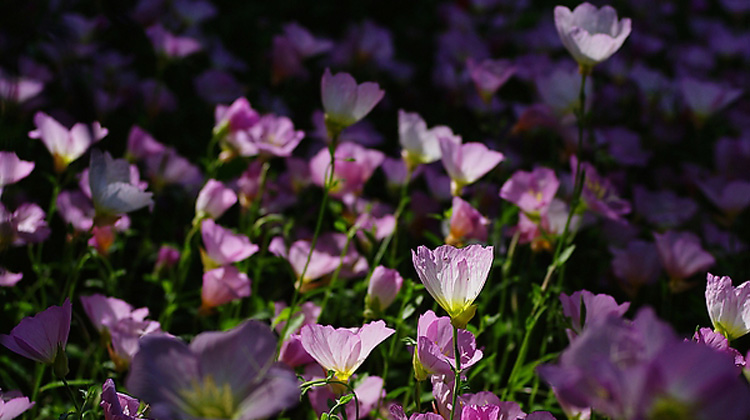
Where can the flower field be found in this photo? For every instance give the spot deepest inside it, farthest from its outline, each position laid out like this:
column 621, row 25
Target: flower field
column 443, row 210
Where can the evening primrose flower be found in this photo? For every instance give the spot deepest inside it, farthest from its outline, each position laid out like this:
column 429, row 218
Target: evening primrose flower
column 591, row 35
column 343, row 350
column 112, row 189
column 454, row 277
column 219, row 375
column 466, row 163
column 728, row 306
column 65, row 145
column 345, row 102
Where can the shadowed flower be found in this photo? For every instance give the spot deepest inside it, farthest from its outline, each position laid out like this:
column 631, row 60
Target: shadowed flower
column 728, row 306
column 65, row 145
column 43, row 337
column 596, row 307
column 118, row 406
column 466, row 224
column 489, row 75
column 354, row 167
column 223, row 285
column 384, row 285
column 8, row 279
column 531, row 191
column 419, row 145
column 343, row 350
column 454, row 277
column 13, row 169
column 222, row 246
column 112, row 189
column 170, row 45
column 345, row 102
column 591, row 35
column 369, row 392
column 706, row 98
column 220, row 375
column 682, row 256
column 12, row 405
column 636, row 265
column 435, row 354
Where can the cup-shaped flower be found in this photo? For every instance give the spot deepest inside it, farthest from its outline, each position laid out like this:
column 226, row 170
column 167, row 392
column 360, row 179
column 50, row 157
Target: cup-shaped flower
column 466, row 163
column 275, row 136
column 531, row 191
column 682, row 256
column 591, row 35
column 383, row 288
column 321, row 261
column 466, row 224
column 354, row 165
column 343, row 350
column 13, row 169
column 106, row 311
column 213, row 200
column 12, row 405
column 454, row 277
column 43, row 337
column 112, row 190
column 596, row 307
column 65, row 145
column 222, row 246
column 489, row 75
column 728, row 306
column 345, row 102
column 228, row 374
column 118, row 406
column 223, row 285
column 435, row 353
column 419, row 144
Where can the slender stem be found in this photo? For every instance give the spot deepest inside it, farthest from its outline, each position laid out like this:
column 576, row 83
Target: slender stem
column 332, row 284
column 183, row 267
column 418, row 395
column 457, row 371
column 324, row 203
column 38, row 380
column 72, row 397
column 536, row 313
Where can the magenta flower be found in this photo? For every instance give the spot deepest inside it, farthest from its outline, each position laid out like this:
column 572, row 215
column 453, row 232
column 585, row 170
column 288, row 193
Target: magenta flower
column 222, row 246
column 435, row 353
column 384, row 285
column 682, row 256
column 397, row 413
column 112, row 189
column 12, row 405
column 42, row 337
column 24, row 226
column 274, row 136
column 345, row 102
column 223, row 285
column 343, row 350
column 466, row 163
column 65, row 145
column 19, row 89
column 213, row 200
column 118, row 406
column 718, row 342
column 170, row 45
column 419, row 144
column 597, row 307
column 466, row 224
column 8, row 279
column 354, row 166
column 489, row 75
column 167, row 257
column 321, row 262
column 636, row 265
column 106, row 311
column 591, row 35
column 531, row 191
column 228, row 374
column 13, row 169
column 728, row 307
column 454, row 277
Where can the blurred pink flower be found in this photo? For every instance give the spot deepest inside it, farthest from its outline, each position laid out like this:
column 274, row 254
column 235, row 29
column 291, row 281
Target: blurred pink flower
column 345, row 102
column 531, row 191
column 8, row 279
column 682, row 256
column 384, row 285
column 170, row 45
column 12, row 405
column 222, row 246
column 489, row 75
column 419, row 144
column 466, row 225
column 354, row 166
column 223, row 285
column 65, row 145
column 466, row 163
column 13, row 169
column 213, row 200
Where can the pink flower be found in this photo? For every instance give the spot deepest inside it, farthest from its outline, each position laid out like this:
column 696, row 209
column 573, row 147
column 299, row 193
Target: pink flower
column 213, row 200
column 24, row 226
column 118, row 406
column 168, row 257
column 223, row 247
column 106, row 311
column 343, row 350
column 596, row 307
column 275, row 136
column 466, row 163
column 384, row 285
column 419, row 144
column 454, row 277
column 531, row 191
column 435, row 349
column 706, row 98
column 591, row 35
column 369, row 393
column 682, row 256
column 345, row 102
column 489, row 75
column 42, row 337
column 65, row 145
column 171, row 45
column 12, row 405
column 466, row 224
column 321, row 262
column 223, row 285
column 13, row 169
column 8, row 279
column 354, row 166
column 728, row 306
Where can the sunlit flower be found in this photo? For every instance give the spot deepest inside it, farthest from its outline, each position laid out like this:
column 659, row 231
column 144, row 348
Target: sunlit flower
column 728, row 306
column 591, row 35
column 345, row 102
column 343, row 350
column 65, row 145
column 454, row 277
column 466, row 163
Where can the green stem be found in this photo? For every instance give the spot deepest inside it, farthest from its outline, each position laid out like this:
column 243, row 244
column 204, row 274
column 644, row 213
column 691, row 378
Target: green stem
column 326, row 192
column 457, row 371
column 332, row 284
column 72, row 397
